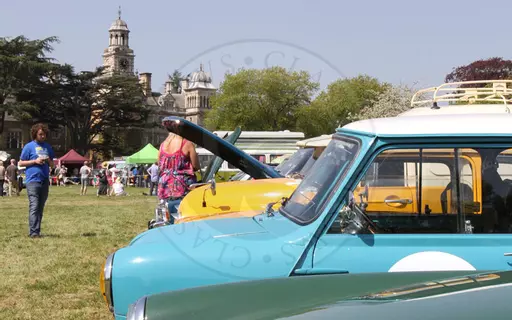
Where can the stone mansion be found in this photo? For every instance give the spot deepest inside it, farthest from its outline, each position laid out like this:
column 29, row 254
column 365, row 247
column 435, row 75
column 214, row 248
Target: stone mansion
column 189, row 101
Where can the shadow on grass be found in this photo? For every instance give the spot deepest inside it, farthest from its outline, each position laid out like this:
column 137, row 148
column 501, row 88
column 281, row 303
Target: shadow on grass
column 89, row 234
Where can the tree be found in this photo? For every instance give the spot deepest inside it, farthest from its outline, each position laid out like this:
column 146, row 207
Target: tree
column 266, row 99
column 333, row 107
column 87, row 104
column 176, row 80
column 23, row 65
column 390, row 103
column 489, row 69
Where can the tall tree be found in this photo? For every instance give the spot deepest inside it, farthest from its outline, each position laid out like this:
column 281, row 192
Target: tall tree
column 334, row 107
column 87, row 104
column 487, row 69
column 390, row 103
column 23, row 64
column 266, row 99
column 176, row 80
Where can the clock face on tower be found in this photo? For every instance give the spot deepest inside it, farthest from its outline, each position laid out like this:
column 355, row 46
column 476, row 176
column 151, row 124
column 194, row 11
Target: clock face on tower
column 124, row 64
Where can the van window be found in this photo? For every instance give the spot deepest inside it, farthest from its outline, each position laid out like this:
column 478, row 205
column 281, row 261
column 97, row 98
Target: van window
column 436, row 191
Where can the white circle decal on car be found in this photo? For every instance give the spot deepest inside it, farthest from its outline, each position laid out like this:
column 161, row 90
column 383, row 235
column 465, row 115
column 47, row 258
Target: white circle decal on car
column 431, row 261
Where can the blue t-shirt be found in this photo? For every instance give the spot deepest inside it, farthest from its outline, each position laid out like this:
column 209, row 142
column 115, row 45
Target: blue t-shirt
column 32, row 151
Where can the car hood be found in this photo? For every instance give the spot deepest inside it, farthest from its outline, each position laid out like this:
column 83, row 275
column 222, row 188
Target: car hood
column 328, row 297
column 240, row 227
column 219, row 147
column 235, row 198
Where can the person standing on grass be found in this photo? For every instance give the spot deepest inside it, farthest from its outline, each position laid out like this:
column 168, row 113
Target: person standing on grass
column 177, row 162
column 37, row 156
column 85, row 172
column 102, row 183
column 153, row 174
column 11, row 174
column 2, row 178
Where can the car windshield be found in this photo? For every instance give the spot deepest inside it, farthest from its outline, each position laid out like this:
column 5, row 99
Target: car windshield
column 295, row 162
column 303, row 205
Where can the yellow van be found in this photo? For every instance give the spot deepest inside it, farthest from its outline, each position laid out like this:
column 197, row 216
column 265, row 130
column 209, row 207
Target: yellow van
column 252, row 195
column 248, row 194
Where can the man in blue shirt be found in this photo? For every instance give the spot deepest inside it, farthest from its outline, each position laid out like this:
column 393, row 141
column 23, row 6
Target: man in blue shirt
column 37, row 156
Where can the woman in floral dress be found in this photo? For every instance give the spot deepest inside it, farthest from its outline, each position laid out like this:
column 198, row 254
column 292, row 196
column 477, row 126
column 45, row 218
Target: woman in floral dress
column 177, row 162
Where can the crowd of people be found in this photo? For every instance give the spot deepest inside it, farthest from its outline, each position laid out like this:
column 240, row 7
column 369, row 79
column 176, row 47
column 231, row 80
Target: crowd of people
column 169, row 178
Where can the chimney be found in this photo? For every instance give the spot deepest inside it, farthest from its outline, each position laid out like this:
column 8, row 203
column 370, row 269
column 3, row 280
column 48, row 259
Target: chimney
column 145, row 81
column 184, row 84
column 168, row 86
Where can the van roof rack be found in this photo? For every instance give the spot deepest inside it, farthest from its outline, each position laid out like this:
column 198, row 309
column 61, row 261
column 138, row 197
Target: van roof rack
column 487, row 91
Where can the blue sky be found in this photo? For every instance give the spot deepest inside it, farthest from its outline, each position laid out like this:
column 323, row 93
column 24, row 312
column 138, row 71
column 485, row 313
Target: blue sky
column 397, row 41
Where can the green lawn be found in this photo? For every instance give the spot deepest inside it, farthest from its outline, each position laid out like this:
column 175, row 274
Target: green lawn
column 57, row 276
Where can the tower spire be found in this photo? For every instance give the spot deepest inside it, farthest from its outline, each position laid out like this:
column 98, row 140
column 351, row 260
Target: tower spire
column 119, row 13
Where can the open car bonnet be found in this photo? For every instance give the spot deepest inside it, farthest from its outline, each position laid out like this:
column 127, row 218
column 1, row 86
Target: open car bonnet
column 223, row 149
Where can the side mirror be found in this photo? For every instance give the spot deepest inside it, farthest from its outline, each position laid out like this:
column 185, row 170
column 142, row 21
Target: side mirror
column 213, row 186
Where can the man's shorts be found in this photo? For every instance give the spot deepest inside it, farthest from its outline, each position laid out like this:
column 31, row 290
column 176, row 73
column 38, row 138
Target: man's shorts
column 85, row 181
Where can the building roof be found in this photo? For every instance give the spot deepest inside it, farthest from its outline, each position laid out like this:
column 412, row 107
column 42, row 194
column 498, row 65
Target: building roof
column 200, row 80
column 179, row 100
column 119, row 24
column 435, row 125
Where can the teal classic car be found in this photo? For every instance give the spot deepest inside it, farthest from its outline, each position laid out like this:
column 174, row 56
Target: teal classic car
column 383, row 296
column 411, row 193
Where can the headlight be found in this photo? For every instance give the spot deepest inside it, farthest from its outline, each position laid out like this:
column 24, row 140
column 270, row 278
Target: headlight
column 106, row 282
column 137, row 311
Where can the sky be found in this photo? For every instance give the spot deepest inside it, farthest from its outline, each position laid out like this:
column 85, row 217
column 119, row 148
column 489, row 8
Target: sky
column 397, row 41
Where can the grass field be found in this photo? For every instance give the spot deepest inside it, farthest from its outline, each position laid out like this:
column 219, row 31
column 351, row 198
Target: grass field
column 57, row 276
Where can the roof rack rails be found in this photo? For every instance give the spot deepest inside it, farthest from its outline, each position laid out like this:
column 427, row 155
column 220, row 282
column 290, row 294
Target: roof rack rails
column 487, row 91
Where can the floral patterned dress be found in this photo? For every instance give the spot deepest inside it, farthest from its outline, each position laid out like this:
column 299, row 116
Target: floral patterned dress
column 176, row 174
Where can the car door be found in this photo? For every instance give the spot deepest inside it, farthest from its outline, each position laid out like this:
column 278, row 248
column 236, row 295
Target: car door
column 465, row 235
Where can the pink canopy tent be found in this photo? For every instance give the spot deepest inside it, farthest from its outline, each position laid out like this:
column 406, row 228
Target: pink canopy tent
column 72, row 157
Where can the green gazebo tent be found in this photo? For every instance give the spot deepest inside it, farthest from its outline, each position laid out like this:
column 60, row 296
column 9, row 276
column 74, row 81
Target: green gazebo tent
column 148, row 154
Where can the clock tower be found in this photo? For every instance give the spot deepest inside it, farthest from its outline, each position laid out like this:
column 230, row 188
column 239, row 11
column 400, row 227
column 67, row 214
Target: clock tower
column 118, row 58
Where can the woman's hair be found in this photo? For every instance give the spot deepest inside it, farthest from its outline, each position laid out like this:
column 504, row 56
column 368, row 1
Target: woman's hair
column 35, row 129
column 174, row 125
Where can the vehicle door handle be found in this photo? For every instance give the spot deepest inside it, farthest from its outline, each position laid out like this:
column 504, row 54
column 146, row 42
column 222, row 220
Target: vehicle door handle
column 401, row 201
column 508, row 254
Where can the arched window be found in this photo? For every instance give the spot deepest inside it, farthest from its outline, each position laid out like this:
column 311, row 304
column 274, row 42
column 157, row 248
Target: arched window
column 122, row 40
column 111, row 37
column 116, row 42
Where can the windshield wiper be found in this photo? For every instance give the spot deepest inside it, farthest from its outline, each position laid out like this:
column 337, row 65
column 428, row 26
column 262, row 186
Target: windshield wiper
column 269, row 211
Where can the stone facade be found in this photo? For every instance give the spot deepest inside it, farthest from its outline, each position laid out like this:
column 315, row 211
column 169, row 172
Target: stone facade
column 118, row 57
column 189, row 101
column 17, row 133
